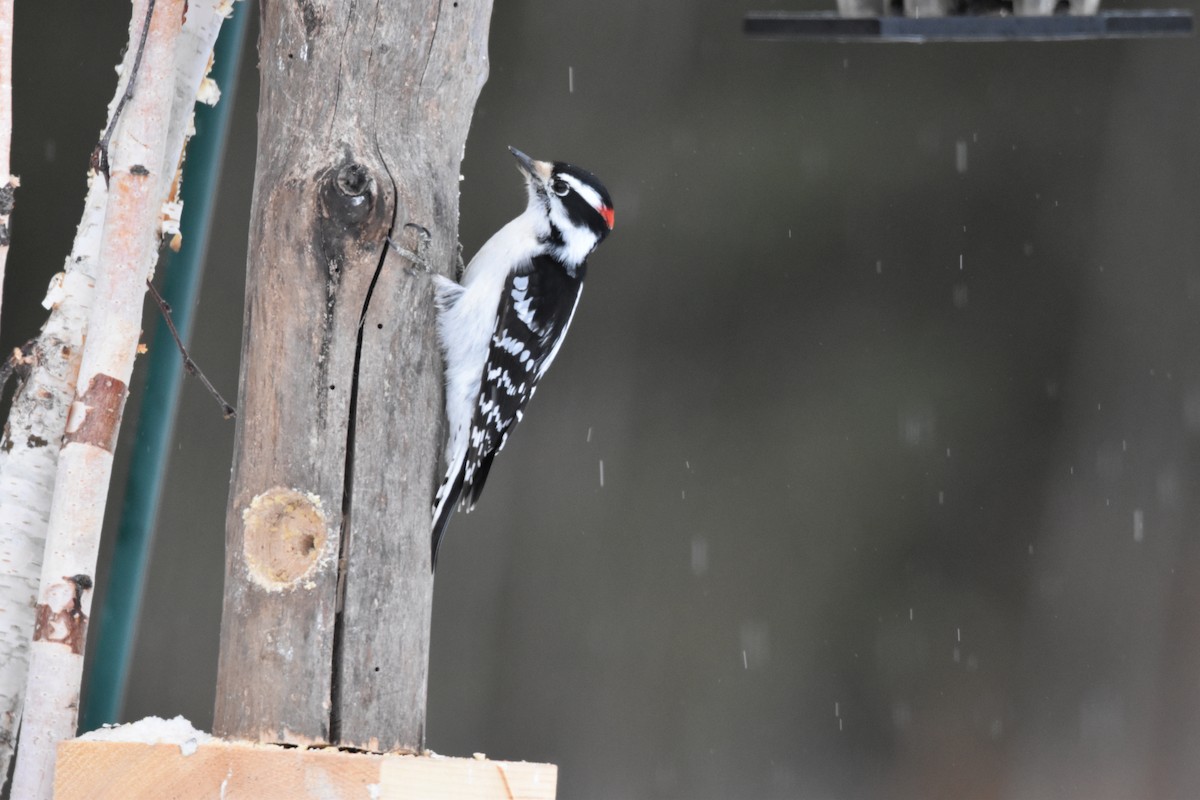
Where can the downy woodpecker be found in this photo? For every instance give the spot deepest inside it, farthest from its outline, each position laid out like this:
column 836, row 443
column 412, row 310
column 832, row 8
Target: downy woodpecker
column 503, row 324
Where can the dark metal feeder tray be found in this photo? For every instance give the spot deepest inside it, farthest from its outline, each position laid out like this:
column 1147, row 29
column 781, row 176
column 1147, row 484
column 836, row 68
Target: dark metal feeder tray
column 830, row 27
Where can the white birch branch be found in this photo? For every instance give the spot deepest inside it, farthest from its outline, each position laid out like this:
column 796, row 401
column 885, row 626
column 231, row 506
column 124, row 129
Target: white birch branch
column 9, row 181
column 164, row 117
column 193, row 60
column 29, row 450
column 128, row 249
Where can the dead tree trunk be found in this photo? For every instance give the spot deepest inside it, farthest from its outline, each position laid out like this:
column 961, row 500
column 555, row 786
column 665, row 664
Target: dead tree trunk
column 363, row 117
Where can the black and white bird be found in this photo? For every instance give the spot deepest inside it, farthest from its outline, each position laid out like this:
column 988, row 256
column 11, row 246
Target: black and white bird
column 503, row 324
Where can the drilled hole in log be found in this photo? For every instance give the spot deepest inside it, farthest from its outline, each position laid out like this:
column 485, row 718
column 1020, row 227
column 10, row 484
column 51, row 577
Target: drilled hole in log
column 285, row 537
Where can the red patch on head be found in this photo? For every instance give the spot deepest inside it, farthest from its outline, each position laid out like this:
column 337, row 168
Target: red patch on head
column 608, row 215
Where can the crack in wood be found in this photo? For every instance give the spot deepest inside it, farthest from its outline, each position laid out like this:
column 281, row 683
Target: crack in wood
column 429, row 53
column 339, row 632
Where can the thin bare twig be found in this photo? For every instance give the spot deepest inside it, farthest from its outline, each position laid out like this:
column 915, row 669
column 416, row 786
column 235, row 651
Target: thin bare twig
column 226, row 409
column 100, row 154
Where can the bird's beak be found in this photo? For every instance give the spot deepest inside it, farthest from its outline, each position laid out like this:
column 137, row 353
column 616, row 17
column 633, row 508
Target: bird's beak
column 534, row 169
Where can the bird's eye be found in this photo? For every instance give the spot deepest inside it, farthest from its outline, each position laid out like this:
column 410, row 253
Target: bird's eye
column 560, row 188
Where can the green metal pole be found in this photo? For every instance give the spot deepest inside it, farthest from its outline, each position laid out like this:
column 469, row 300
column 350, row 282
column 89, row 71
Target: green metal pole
column 118, row 618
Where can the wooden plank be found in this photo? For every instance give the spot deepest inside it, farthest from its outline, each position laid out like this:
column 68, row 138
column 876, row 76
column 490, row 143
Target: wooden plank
column 94, row 770
column 830, row 27
column 363, row 117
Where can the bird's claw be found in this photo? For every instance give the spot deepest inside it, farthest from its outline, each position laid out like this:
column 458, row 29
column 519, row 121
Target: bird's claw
column 417, row 263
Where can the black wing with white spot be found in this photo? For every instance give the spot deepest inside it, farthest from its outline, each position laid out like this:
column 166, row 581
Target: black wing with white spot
column 535, row 311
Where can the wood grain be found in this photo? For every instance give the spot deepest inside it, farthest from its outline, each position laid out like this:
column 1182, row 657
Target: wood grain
column 90, row 770
column 363, row 116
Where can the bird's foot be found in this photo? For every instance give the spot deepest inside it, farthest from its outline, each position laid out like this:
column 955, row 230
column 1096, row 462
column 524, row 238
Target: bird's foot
column 418, row 265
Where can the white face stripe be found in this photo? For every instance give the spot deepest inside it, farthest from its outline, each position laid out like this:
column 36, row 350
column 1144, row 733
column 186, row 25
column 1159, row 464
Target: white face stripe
column 590, row 195
column 578, row 240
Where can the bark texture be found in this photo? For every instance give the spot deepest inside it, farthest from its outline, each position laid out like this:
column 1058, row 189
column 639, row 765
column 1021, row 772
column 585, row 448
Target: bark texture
column 363, row 116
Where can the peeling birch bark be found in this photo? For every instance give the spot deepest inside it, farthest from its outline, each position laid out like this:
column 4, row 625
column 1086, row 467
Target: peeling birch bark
column 10, row 181
column 37, row 420
column 29, row 458
column 128, row 251
column 29, row 451
column 193, row 60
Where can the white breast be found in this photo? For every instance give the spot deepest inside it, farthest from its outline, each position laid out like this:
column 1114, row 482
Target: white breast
column 465, row 325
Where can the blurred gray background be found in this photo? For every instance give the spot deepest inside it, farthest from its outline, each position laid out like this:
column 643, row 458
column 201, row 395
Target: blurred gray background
column 870, row 467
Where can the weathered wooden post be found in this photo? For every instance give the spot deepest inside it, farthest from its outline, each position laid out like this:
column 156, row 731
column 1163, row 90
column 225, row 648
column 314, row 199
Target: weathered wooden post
column 363, row 117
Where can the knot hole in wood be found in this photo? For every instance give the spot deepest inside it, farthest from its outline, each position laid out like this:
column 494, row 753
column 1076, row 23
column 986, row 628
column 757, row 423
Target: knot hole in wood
column 348, row 193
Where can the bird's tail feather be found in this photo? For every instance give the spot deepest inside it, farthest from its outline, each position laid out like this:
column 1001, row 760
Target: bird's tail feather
column 447, row 500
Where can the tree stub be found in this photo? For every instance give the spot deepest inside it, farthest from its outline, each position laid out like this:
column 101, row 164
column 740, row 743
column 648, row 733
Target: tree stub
column 363, row 116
